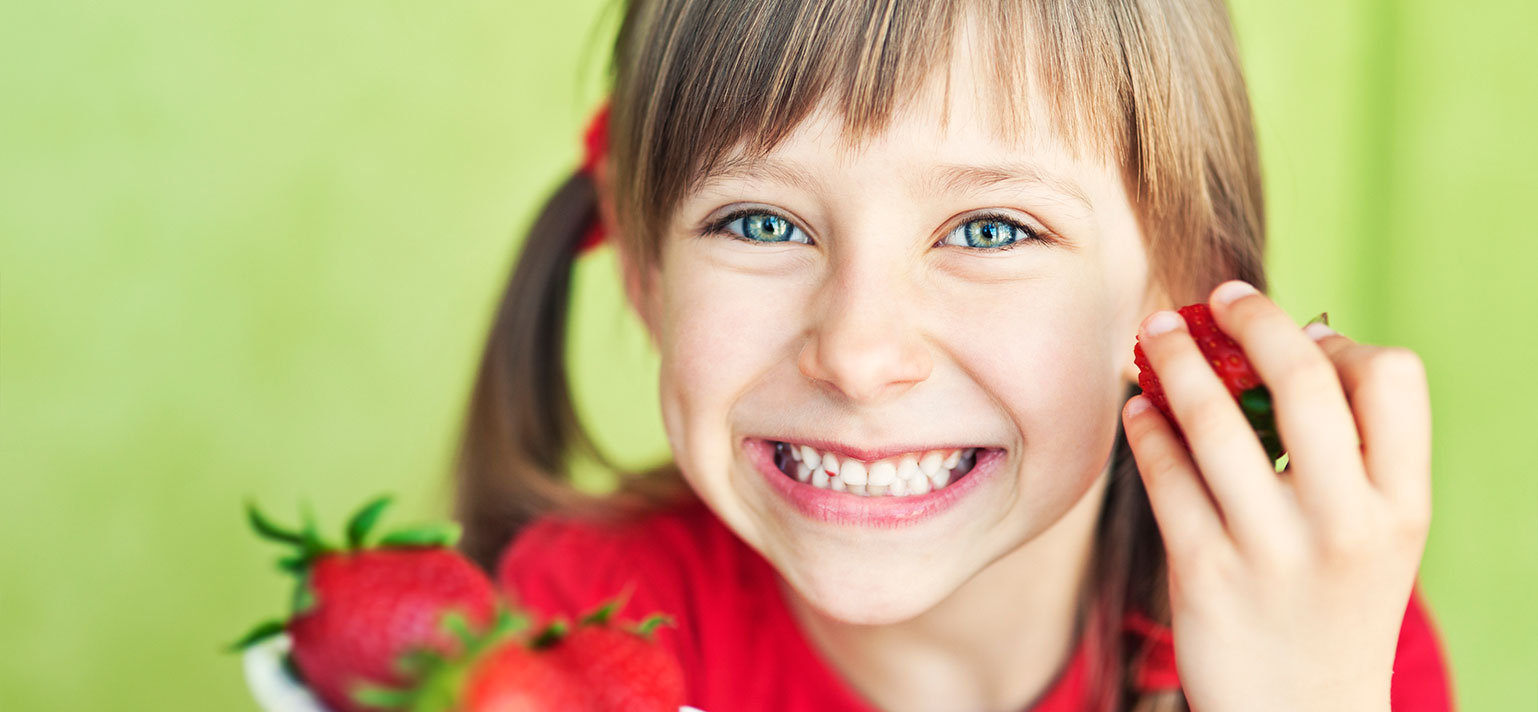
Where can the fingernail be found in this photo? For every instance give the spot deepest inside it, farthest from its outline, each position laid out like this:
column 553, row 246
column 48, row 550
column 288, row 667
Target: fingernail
column 1160, row 322
column 1318, row 330
column 1136, row 406
column 1230, row 291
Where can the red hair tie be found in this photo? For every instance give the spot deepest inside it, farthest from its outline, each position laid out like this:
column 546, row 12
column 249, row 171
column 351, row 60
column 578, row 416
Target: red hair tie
column 595, row 143
column 1156, row 670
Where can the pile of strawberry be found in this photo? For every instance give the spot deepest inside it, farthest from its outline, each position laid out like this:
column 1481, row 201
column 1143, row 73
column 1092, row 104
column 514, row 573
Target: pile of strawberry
column 407, row 623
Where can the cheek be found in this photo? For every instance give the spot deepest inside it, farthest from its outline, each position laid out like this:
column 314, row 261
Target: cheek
column 719, row 333
column 1041, row 352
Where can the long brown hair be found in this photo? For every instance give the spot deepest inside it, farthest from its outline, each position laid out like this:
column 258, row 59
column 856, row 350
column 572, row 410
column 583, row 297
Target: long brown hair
column 1153, row 84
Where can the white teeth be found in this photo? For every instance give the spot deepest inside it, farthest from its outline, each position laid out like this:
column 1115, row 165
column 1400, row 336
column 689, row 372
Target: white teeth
column 941, row 478
column 809, row 456
column 853, row 472
column 820, row 478
column 909, row 475
column 803, row 472
column 830, row 463
column 932, row 462
column 883, row 473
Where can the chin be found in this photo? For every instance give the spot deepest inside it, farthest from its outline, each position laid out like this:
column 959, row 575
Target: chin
column 872, row 590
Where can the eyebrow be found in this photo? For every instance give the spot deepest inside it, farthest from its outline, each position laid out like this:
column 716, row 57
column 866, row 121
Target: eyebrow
column 958, row 178
column 947, row 178
column 759, row 168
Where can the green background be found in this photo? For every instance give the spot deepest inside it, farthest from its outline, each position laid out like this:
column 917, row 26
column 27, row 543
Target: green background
column 250, row 249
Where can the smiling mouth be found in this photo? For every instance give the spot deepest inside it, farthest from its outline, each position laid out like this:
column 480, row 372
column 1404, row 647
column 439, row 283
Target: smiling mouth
column 906, row 475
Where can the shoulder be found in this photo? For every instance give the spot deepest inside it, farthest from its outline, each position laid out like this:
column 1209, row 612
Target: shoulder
column 682, row 562
column 566, row 565
column 1422, row 682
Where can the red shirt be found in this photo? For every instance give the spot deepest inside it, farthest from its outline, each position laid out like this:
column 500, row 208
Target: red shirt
column 740, row 648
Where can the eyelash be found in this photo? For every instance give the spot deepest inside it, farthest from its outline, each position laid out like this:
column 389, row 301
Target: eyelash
column 1032, row 234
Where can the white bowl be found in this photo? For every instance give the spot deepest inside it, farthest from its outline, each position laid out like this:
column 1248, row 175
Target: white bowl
column 274, row 689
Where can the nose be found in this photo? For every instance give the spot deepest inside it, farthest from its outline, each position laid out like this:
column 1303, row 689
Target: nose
column 864, row 343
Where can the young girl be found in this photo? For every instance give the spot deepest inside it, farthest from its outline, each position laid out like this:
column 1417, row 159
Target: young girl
column 895, row 256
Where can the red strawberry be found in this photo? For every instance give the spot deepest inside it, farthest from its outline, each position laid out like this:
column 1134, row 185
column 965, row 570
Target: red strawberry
column 1232, row 367
column 622, row 668
column 513, row 678
column 359, row 612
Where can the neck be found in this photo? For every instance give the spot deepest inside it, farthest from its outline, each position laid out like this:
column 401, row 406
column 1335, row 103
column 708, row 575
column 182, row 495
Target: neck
column 996, row 643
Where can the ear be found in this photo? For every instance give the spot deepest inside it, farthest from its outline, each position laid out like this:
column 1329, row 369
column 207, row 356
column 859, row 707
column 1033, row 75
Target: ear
column 1155, row 297
column 640, row 283
column 640, row 289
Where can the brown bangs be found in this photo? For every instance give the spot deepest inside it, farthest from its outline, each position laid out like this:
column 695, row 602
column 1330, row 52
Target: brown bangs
column 1152, row 88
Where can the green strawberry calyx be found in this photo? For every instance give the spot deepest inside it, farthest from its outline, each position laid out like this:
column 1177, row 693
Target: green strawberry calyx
column 1255, row 403
column 603, row 615
column 440, row 679
column 1259, row 410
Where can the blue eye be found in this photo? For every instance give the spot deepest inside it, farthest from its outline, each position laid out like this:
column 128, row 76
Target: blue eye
column 993, row 232
column 760, row 226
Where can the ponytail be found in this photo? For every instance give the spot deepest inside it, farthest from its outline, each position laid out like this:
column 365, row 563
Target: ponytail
column 521, row 423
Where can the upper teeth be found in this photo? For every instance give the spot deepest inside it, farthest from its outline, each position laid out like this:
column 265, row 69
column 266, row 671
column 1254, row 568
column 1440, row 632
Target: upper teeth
column 910, row 474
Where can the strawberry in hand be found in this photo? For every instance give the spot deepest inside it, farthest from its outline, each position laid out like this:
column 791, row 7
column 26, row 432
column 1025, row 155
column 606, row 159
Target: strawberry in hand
column 1228, row 361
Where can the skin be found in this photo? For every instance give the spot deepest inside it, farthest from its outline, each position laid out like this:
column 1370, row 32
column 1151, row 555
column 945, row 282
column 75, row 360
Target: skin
column 871, row 335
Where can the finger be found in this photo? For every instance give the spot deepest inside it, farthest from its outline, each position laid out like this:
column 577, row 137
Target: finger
column 1387, row 390
column 1312, row 416
column 1181, row 504
column 1225, row 449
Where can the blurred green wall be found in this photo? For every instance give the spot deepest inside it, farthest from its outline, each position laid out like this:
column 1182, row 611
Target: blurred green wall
column 248, row 250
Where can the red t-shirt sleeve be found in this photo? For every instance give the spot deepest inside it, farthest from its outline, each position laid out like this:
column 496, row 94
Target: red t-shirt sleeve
column 1421, row 680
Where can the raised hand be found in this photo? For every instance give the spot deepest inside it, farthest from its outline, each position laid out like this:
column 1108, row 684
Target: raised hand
column 1286, row 590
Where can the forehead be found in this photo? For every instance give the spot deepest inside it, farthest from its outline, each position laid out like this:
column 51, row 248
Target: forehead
column 960, row 130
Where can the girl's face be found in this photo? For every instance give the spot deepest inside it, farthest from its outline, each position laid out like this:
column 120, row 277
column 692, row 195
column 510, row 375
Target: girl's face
column 937, row 288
